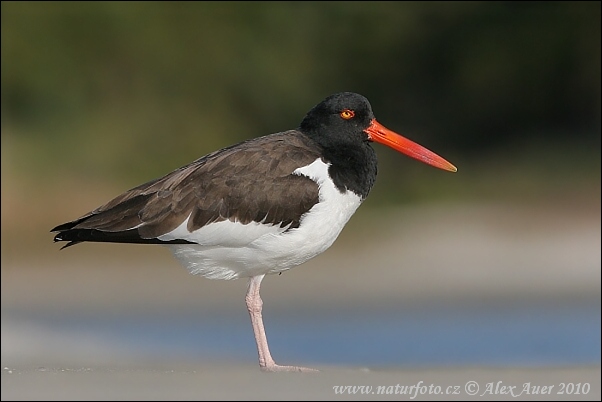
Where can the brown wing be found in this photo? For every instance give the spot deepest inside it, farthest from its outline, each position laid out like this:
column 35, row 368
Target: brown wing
column 250, row 181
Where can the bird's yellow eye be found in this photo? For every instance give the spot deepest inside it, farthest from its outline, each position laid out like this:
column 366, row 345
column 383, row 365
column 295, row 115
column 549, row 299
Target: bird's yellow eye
column 347, row 114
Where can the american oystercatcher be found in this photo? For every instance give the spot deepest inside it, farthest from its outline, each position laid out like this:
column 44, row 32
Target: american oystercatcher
column 258, row 207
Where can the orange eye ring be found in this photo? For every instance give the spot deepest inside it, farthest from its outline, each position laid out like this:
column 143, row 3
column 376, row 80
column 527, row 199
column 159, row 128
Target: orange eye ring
column 347, row 114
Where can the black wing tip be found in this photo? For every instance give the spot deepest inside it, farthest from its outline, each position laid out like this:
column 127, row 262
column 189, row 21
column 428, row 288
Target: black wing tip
column 76, row 236
column 59, row 237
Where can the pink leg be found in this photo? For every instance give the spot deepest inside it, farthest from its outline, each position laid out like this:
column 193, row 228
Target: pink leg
column 254, row 305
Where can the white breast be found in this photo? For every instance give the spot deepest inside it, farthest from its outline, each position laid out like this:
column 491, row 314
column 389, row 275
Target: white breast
column 229, row 250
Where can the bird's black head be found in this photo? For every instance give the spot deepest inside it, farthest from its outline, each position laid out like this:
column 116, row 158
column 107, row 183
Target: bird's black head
column 338, row 120
column 343, row 125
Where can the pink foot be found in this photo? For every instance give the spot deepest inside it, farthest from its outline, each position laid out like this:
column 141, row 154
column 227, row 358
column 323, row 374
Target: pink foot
column 272, row 368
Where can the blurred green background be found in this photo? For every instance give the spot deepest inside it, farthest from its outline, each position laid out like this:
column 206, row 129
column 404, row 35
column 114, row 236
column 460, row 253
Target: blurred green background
column 125, row 92
column 99, row 97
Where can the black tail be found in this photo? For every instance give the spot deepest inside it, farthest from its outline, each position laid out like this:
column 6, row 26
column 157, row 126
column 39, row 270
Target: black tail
column 75, row 236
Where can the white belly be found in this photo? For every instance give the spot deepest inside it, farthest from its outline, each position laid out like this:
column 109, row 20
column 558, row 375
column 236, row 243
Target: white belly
column 229, row 250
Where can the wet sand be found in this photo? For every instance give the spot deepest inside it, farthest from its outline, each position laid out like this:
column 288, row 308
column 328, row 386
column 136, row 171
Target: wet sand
column 240, row 382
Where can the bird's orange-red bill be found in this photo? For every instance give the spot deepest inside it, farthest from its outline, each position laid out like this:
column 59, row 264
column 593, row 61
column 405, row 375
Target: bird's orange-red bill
column 379, row 133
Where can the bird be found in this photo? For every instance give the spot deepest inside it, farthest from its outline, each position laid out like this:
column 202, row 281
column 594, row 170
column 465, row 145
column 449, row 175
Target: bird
column 259, row 207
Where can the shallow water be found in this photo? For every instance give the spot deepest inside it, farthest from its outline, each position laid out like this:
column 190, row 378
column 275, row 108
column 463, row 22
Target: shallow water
column 532, row 334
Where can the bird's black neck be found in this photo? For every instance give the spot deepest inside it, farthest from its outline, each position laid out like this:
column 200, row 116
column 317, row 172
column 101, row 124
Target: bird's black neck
column 352, row 168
